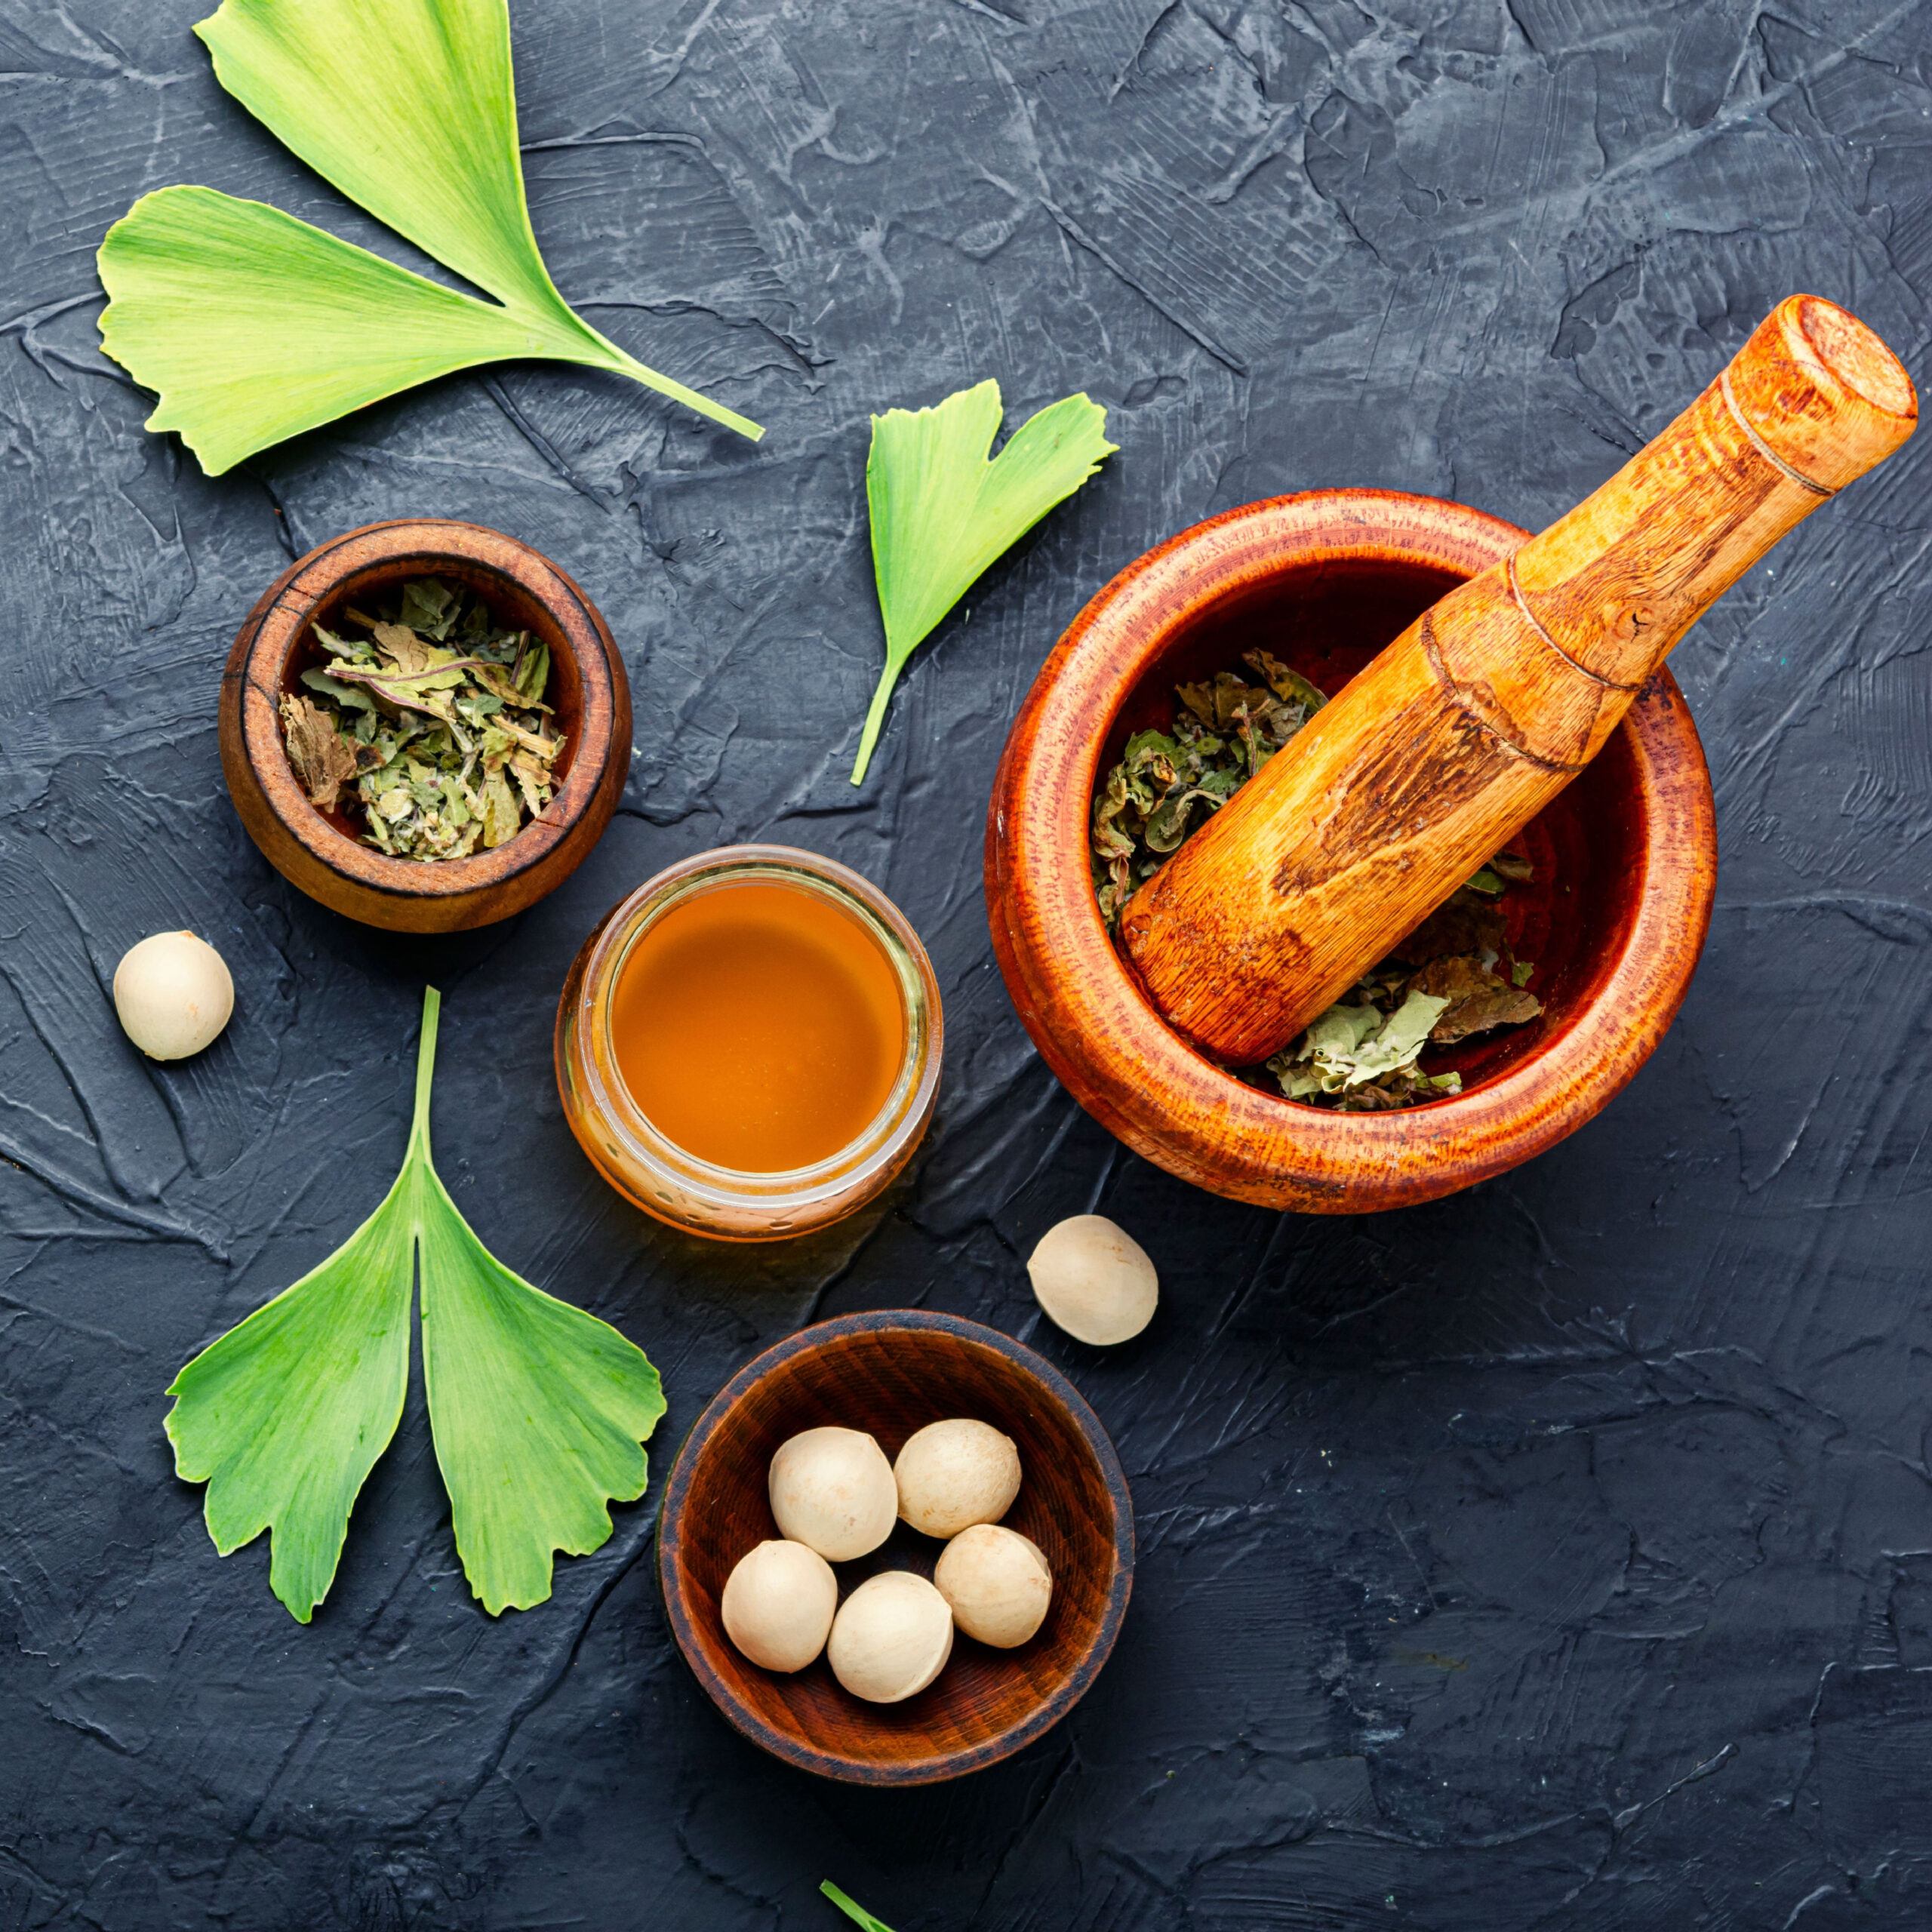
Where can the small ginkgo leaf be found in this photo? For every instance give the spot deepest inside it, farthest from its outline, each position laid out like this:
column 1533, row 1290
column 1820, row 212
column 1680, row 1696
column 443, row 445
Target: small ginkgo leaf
column 539, row 1412
column 285, row 1417
column 942, row 513
column 252, row 326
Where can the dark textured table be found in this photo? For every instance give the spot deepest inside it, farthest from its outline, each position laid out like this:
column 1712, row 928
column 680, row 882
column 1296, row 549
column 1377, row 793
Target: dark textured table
column 1560, row 1555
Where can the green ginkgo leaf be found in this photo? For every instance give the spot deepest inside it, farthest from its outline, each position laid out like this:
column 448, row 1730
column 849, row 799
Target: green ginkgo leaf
column 285, row 1417
column 852, row 1909
column 538, row 1410
column 942, row 513
column 409, row 108
column 252, row 326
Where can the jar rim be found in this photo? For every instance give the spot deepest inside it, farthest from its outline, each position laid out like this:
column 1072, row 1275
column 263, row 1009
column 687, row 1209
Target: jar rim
column 874, row 1154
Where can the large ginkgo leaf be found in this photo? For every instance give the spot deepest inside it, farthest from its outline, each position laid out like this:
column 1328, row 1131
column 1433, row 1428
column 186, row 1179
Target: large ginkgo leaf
column 253, row 326
column 538, row 1411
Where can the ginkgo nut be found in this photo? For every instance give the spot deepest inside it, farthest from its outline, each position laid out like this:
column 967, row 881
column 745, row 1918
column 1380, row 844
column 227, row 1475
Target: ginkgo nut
column 172, row 994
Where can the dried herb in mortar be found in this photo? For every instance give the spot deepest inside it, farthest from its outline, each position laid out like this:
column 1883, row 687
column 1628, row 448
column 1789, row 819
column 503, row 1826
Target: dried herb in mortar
column 1169, row 782
column 428, row 726
column 1439, row 986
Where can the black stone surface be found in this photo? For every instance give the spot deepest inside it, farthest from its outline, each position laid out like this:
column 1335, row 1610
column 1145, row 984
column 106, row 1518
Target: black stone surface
column 1560, row 1555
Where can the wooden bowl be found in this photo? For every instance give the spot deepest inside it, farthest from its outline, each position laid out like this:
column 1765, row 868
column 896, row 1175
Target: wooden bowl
column 320, row 851
column 1626, row 863
column 890, row 1373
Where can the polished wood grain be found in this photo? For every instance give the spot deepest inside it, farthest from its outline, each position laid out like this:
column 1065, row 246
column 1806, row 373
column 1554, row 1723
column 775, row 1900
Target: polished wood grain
column 1626, row 860
column 319, row 851
column 1496, row 698
column 890, row 1373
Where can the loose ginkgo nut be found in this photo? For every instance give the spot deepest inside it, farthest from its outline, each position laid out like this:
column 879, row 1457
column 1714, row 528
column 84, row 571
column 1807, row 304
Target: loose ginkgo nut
column 891, row 1638
column 953, row 1474
column 998, row 1583
column 778, row 1604
column 831, row 1490
column 172, row 994
column 1095, row 1280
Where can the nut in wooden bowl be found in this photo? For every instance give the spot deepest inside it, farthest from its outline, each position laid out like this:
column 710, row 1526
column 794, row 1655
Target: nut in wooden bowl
column 320, row 851
column 1625, row 859
column 890, row 1373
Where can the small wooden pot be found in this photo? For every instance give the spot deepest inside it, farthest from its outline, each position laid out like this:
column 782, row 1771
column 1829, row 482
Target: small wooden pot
column 320, row 851
column 1626, row 864
column 890, row 1373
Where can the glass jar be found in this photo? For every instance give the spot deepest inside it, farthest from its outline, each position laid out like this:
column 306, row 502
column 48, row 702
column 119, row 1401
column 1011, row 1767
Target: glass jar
column 666, row 1180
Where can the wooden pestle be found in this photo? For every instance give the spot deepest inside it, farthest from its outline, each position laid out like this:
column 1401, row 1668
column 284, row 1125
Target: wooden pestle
column 1466, row 726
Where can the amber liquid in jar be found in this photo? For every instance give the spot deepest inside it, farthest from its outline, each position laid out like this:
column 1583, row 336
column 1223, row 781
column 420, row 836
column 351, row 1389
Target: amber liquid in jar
column 759, row 1026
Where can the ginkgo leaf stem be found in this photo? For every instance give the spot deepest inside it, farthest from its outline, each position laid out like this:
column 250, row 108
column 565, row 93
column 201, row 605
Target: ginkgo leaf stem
column 705, row 405
column 874, row 721
column 851, row 1908
column 426, row 1074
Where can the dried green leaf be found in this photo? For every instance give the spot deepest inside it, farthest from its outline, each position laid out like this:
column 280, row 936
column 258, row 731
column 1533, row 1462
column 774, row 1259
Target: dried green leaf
column 533, row 670
column 1287, row 684
column 323, row 756
column 429, row 605
column 1110, row 842
column 1476, row 999
column 1167, row 824
column 1521, row 970
column 501, row 815
column 1350, row 1045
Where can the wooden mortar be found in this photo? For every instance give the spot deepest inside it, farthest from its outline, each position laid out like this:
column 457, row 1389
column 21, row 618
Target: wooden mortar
column 1627, row 861
column 1528, row 705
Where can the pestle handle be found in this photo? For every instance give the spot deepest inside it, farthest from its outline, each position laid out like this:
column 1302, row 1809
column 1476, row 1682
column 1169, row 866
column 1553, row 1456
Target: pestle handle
column 1463, row 729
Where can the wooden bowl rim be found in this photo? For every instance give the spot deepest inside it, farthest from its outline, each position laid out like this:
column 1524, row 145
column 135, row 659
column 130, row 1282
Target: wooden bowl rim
column 274, row 629
column 1130, row 1063
column 1023, row 1730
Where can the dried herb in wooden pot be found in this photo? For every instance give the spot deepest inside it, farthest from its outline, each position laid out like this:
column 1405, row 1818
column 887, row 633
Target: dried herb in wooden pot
column 428, row 728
